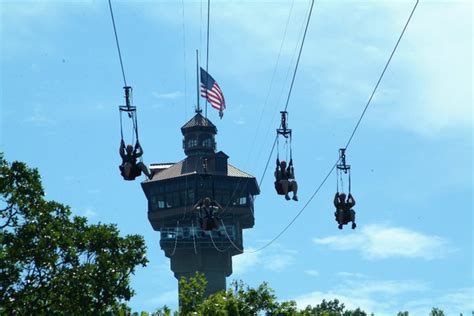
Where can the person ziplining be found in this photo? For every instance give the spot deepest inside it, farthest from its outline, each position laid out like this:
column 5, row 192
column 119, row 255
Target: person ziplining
column 129, row 168
column 344, row 212
column 132, row 165
column 285, row 175
column 207, row 210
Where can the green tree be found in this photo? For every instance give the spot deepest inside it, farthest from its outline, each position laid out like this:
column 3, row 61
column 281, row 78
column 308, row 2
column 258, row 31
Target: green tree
column 254, row 300
column 405, row 313
column 191, row 293
column 221, row 303
column 436, row 312
column 163, row 311
column 329, row 308
column 52, row 263
column 285, row 308
column 240, row 299
column 355, row 312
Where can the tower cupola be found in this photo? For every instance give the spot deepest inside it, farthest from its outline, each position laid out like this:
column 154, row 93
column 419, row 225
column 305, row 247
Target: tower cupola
column 199, row 136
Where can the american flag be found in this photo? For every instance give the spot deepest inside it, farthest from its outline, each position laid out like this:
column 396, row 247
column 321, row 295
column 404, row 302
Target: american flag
column 211, row 91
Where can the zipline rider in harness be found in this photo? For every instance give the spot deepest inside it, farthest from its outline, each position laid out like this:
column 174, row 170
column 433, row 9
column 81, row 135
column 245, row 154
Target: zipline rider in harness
column 344, row 212
column 285, row 179
column 285, row 176
column 130, row 168
column 207, row 213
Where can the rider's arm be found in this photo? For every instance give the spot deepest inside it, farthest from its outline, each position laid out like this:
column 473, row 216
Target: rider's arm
column 291, row 172
column 138, row 152
column 350, row 200
column 198, row 204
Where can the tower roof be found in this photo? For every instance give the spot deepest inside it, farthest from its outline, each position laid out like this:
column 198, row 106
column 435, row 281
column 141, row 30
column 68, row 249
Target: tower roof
column 199, row 122
column 177, row 170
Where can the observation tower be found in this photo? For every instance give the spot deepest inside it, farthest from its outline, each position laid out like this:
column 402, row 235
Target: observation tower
column 176, row 187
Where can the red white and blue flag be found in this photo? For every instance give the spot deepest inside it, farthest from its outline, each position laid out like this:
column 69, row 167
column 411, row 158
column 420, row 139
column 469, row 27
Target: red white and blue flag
column 211, row 91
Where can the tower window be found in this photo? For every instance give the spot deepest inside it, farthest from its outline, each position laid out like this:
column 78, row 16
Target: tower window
column 192, row 143
column 207, row 142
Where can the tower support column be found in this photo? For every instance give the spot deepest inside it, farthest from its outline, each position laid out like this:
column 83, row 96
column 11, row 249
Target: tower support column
column 215, row 266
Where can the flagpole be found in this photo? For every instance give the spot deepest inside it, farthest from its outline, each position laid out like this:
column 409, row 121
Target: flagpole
column 198, row 108
column 207, row 50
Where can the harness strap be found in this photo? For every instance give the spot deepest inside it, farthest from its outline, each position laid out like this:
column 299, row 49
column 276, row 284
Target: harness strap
column 121, row 129
column 349, row 181
column 291, row 147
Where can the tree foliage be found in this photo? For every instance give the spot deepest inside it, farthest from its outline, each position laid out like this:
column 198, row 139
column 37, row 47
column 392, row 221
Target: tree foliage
column 191, row 293
column 436, row 312
column 241, row 299
column 52, row 263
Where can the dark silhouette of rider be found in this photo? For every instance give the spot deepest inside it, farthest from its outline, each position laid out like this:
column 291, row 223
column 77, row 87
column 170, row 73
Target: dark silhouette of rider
column 130, row 168
column 207, row 217
column 285, row 179
column 344, row 212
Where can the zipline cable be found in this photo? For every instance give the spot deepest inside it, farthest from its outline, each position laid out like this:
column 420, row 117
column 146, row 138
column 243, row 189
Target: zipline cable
column 272, row 80
column 299, row 55
column 117, row 42
column 381, row 76
column 297, row 215
column 268, row 161
column 261, row 114
column 194, row 237
column 273, row 147
column 230, row 239
column 175, row 239
column 350, row 139
column 214, row 244
column 292, row 82
column 281, row 93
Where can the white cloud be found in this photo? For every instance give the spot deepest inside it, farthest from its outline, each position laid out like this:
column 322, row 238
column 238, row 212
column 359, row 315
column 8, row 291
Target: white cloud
column 240, row 121
column 38, row 116
column 460, row 300
column 241, row 264
column 279, row 262
column 90, row 213
column 384, row 297
column 313, row 273
column 368, row 287
column 438, row 55
column 344, row 274
column 381, row 242
column 168, row 95
column 27, row 25
column 378, row 296
column 452, row 302
column 276, row 260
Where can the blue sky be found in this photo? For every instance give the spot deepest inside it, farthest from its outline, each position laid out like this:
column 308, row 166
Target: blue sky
column 411, row 158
